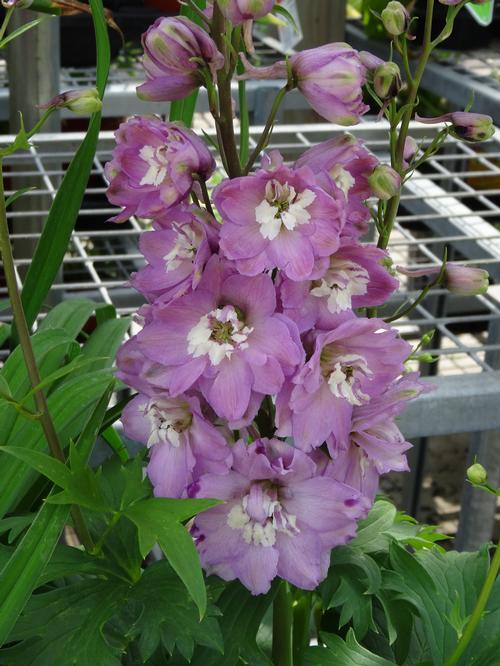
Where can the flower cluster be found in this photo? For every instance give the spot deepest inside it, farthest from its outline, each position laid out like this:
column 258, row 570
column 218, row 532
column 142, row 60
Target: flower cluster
column 260, row 380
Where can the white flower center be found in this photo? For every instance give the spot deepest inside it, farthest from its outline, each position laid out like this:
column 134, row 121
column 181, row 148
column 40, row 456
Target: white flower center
column 157, row 161
column 260, row 517
column 342, row 178
column 282, row 207
column 218, row 334
column 167, row 419
column 343, row 280
column 344, row 378
column 184, row 248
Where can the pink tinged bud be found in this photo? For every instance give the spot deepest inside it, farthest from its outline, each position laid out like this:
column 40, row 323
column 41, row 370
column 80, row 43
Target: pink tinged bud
column 387, row 80
column 460, row 280
column 80, row 102
column 466, row 126
column 239, row 11
column 385, row 182
column 176, row 51
column 370, row 61
column 466, row 280
column 395, row 18
column 410, row 149
column 477, row 474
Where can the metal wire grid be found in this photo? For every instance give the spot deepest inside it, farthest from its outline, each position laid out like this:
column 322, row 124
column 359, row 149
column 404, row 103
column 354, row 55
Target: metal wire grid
column 455, row 202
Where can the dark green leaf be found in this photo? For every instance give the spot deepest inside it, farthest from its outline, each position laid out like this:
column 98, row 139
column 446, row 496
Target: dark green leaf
column 60, row 222
column 14, row 525
column 71, row 316
column 14, row 197
column 157, row 522
column 340, row 653
column 242, row 614
column 53, row 469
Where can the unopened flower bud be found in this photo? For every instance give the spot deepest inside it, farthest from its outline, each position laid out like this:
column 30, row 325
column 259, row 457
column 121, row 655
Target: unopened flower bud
column 384, row 181
column 395, row 18
column 467, row 126
column 387, row 80
column 459, row 280
column 238, row 11
column 80, row 102
column 466, row 280
column 477, row 474
column 370, row 61
column 409, row 150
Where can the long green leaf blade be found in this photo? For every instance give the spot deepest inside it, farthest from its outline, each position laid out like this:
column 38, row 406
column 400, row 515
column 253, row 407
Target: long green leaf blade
column 61, row 220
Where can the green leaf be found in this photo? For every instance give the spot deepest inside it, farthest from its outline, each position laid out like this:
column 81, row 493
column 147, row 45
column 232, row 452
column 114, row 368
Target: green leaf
column 104, row 342
column 53, row 469
column 71, row 316
column 169, row 617
column 157, row 522
column 64, row 627
column 15, row 196
column 340, row 653
column 352, row 580
column 431, row 581
column 20, row 574
column 279, row 9
column 15, row 525
column 19, row 31
column 242, row 614
column 116, row 443
column 92, row 623
column 60, row 222
column 70, row 406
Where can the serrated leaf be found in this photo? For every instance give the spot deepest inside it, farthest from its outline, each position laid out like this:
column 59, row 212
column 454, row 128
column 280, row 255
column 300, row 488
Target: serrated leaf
column 158, row 522
column 242, row 614
column 430, row 581
column 338, row 652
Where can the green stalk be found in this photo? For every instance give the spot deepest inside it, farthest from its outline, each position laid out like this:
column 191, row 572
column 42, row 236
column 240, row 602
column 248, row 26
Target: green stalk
column 301, row 627
column 477, row 613
column 282, row 626
column 29, row 358
column 393, row 204
column 267, row 129
column 6, row 20
column 225, row 113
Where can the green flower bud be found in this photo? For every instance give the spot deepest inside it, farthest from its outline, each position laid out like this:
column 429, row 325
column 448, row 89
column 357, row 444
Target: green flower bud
column 384, row 181
column 395, row 18
column 80, row 102
column 387, row 80
column 477, row 474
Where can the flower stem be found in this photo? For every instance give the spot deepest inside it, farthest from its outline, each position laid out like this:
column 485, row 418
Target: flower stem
column 225, row 113
column 477, row 613
column 301, row 627
column 267, row 129
column 30, row 361
column 282, row 626
column 414, row 84
column 6, row 21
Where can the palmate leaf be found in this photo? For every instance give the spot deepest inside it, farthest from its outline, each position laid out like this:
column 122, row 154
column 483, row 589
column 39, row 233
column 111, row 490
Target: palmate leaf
column 158, row 521
column 91, row 623
column 241, row 616
column 430, row 581
column 338, row 652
